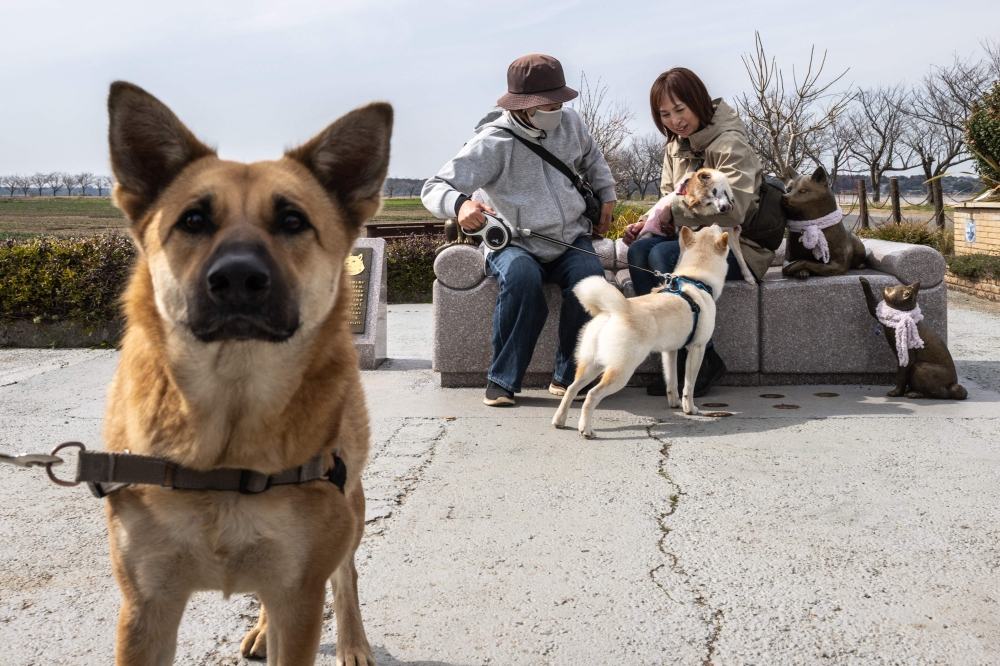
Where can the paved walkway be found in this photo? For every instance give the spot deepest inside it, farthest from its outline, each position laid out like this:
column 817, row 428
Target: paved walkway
column 854, row 529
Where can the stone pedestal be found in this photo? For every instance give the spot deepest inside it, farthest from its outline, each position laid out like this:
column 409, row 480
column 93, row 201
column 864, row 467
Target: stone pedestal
column 371, row 344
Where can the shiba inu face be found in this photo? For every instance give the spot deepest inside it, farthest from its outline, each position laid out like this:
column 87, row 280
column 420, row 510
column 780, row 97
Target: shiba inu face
column 244, row 251
column 708, row 192
column 809, row 197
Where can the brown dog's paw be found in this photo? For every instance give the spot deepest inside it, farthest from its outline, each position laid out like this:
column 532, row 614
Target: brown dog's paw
column 802, row 274
column 254, row 646
column 357, row 656
column 914, row 395
column 894, row 393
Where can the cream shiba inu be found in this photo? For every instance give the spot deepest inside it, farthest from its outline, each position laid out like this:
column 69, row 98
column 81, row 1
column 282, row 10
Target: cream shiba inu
column 624, row 331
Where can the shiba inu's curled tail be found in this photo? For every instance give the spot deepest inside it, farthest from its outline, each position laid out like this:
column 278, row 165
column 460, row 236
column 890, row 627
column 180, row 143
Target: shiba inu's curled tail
column 598, row 296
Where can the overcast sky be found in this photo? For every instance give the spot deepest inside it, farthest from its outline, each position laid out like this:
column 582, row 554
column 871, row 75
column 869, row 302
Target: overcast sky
column 255, row 77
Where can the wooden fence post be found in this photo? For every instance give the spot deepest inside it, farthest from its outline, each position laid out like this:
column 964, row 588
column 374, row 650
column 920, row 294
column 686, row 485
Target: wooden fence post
column 938, row 202
column 863, row 203
column 897, row 216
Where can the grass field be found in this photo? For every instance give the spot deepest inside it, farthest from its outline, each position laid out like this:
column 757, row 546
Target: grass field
column 24, row 217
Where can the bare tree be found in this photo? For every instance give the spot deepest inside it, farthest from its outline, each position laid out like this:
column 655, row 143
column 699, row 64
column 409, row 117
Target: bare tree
column 643, row 162
column 414, row 185
column 608, row 122
column 786, row 120
column 22, row 183
column 103, row 183
column 8, row 182
column 879, row 122
column 933, row 134
column 39, row 180
column 84, row 180
column 832, row 147
column 67, row 181
column 956, row 87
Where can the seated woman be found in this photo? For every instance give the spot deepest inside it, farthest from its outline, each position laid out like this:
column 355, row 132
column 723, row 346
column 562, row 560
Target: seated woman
column 701, row 132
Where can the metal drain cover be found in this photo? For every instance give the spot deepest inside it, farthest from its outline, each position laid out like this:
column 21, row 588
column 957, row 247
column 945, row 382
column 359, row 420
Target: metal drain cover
column 715, row 404
column 785, row 406
column 826, row 395
column 771, row 395
column 717, row 414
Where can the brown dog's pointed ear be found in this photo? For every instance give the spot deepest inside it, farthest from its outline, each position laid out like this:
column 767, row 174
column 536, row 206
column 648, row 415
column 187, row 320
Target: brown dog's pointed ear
column 722, row 242
column 704, row 174
column 686, row 237
column 819, row 175
column 150, row 146
column 915, row 286
column 350, row 159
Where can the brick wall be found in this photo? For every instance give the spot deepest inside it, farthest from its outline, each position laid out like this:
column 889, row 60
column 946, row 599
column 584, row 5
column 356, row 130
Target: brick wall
column 984, row 288
column 987, row 219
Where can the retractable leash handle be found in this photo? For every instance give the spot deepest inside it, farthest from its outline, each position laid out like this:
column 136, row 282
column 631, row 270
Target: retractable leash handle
column 495, row 233
column 529, row 232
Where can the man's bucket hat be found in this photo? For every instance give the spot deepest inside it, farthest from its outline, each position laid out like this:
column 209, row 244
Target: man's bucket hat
column 535, row 80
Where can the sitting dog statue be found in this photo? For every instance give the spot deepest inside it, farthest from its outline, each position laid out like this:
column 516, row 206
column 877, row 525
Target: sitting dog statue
column 926, row 369
column 818, row 242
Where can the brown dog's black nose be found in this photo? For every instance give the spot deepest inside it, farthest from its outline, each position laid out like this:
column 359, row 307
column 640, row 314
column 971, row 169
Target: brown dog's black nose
column 239, row 278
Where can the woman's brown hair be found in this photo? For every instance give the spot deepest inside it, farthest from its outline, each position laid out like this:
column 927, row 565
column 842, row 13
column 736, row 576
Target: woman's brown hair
column 681, row 85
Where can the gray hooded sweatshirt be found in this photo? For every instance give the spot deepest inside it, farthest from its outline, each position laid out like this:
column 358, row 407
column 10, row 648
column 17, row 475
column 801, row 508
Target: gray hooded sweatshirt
column 526, row 192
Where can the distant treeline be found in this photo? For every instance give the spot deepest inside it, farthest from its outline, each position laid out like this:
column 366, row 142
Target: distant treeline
column 41, row 184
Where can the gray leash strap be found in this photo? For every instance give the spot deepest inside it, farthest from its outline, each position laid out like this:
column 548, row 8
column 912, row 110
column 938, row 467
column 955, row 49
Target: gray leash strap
column 107, row 472
column 529, row 233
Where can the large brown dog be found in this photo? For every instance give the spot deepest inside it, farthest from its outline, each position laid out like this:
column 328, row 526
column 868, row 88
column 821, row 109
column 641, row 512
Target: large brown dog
column 237, row 354
column 810, row 198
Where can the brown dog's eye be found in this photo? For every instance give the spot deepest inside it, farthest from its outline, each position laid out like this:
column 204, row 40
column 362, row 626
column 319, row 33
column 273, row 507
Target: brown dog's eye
column 292, row 222
column 193, row 222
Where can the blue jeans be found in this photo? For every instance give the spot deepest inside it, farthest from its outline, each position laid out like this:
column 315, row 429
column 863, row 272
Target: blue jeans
column 521, row 310
column 660, row 253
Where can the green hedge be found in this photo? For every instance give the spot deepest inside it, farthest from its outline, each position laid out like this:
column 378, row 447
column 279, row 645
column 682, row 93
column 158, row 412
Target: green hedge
column 81, row 279
column 410, row 264
column 918, row 233
column 54, row 279
column 975, row 266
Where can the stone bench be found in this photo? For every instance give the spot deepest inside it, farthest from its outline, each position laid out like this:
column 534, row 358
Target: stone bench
column 782, row 331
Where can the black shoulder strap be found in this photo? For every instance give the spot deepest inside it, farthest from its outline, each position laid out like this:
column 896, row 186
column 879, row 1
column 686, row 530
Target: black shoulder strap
column 537, row 149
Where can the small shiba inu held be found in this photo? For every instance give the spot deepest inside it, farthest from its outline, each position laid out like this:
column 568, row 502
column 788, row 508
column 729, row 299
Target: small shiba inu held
column 707, row 192
column 237, row 355
column 624, row 331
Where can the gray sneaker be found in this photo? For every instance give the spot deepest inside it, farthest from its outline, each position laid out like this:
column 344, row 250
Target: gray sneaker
column 498, row 396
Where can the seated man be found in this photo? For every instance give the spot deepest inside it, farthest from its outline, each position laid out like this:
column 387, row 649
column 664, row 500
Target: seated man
column 528, row 193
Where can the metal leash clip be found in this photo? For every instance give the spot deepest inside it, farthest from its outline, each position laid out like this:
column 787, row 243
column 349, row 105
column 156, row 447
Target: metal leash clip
column 26, row 460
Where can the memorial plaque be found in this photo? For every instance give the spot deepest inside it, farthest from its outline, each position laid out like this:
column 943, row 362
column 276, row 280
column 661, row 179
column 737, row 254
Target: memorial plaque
column 359, row 268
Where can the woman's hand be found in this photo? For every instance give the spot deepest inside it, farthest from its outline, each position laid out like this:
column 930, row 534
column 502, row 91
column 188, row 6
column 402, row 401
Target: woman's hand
column 632, row 232
column 607, row 208
column 470, row 215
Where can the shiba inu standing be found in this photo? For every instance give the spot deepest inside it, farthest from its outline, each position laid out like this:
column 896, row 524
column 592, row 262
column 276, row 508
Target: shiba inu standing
column 237, row 355
column 624, row 331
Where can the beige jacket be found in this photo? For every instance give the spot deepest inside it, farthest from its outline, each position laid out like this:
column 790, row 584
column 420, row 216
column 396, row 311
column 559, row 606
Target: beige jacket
column 722, row 145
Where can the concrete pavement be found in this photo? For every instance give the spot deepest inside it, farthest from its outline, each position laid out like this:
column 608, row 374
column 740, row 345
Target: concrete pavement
column 852, row 529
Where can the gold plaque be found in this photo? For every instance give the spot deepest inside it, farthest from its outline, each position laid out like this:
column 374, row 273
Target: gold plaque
column 355, row 264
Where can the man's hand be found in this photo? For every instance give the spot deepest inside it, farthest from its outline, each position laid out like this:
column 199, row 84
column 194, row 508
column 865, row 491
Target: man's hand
column 470, row 215
column 607, row 208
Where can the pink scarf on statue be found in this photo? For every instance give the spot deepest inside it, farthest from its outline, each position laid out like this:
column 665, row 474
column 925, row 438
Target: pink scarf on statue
column 812, row 233
column 905, row 323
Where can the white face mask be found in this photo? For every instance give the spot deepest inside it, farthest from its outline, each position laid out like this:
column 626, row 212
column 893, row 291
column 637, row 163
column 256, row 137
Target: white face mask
column 546, row 120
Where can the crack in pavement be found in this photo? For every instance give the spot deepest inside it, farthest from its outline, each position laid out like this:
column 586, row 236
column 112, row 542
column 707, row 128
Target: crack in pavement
column 395, row 471
column 715, row 616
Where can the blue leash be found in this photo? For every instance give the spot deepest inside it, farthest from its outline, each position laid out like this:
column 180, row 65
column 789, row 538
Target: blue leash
column 673, row 286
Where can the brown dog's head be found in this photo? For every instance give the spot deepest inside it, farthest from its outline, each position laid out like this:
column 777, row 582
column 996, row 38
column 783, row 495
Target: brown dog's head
column 809, row 197
column 708, row 192
column 244, row 251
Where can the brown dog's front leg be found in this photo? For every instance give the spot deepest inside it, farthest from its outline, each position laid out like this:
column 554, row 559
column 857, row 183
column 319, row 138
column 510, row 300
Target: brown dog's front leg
column 294, row 624
column 147, row 629
column 254, row 645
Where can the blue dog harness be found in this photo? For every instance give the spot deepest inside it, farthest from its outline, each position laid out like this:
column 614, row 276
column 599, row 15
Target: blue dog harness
column 673, row 286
